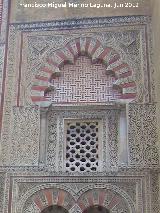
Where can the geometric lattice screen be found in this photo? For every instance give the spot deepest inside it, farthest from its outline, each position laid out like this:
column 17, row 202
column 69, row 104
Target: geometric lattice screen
column 82, row 145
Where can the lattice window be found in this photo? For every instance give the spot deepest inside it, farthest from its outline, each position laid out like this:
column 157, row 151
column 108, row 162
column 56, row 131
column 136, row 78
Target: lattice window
column 82, row 145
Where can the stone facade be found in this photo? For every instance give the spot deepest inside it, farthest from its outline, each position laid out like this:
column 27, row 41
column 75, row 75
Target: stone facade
column 74, row 74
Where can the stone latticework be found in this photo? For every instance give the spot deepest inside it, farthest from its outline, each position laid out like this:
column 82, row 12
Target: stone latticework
column 82, row 145
column 84, row 82
column 108, row 135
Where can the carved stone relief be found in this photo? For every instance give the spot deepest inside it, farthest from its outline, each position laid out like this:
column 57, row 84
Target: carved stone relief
column 142, row 135
column 2, row 190
column 21, row 125
column 155, row 193
column 125, row 40
column 56, row 150
column 107, row 195
column 37, row 45
column 136, row 187
column 24, row 142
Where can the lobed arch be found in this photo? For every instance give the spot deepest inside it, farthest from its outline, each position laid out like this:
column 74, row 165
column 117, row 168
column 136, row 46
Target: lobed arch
column 92, row 48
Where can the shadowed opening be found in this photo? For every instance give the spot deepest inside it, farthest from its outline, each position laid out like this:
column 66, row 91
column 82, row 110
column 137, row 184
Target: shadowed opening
column 96, row 209
column 54, row 209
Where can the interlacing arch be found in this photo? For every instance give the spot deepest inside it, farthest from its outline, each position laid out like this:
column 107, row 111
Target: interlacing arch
column 90, row 47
